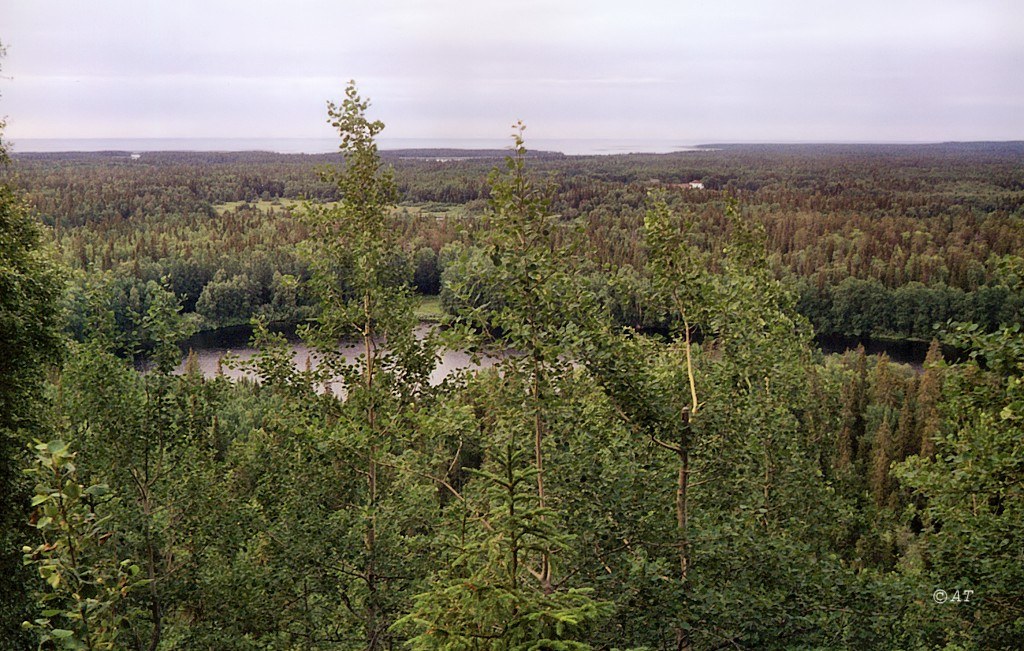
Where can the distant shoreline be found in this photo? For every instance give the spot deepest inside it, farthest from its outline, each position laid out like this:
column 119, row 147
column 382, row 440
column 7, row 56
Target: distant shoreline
column 457, row 148
column 568, row 146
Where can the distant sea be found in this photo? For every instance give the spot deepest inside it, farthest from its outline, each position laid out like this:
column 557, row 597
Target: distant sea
column 568, row 146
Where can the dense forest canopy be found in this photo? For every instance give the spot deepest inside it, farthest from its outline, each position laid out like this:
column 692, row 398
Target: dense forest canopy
column 658, row 459
column 876, row 240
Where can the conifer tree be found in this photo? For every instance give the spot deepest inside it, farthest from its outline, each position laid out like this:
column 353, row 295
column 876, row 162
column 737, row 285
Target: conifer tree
column 504, row 591
column 854, row 402
column 929, row 393
column 881, row 457
column 907, row 442
column 885, row 390
column 487, row 600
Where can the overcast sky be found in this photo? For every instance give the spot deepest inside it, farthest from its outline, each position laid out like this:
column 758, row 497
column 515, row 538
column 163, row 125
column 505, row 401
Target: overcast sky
column 764, row 70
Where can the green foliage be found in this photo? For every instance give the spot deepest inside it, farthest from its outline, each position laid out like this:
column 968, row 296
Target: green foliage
column 484, row 599
column 362, row 285
column 29, row 321
column 500, row 591
column 366, row 298
column 698, row 479
column 31, row 342
column 676, row 268
column 529, row 266
column 127, row 317
column 738, row 427
column 427, row 274
column 972, row 505
column 226, row 300
column 164, row 326
column 920, row 231
column 83, row 602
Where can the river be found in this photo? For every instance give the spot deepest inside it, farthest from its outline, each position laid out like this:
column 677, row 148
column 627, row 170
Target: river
column 911, row 353
column 211, row 347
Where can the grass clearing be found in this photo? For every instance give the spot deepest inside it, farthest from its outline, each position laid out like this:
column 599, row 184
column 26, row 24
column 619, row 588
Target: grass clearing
column 429, row 309
column 263, row 205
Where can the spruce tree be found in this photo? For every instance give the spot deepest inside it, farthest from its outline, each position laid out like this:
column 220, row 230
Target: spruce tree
column 881, row 457
column 929, row 393
column 504, row 590
column 854, row 402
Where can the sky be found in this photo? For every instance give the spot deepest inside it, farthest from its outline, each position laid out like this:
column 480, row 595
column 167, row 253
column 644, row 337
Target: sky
column 684, row 70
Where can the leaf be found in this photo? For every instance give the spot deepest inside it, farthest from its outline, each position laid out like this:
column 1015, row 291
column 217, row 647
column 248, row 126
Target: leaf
column 97, row 490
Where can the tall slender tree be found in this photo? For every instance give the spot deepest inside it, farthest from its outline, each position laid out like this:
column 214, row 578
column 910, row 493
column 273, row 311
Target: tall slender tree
column 929, row 395
column 363, row 282
column 504, row 590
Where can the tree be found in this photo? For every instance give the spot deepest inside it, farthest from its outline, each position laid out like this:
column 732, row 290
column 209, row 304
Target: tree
column 31, row 341
column 679, row 281
column 503, row 590
column 363, row 282
column 225, row 301
column 929, row 395
column 128, row 432
column 483, row 600
column 86, row 583
column 854, row 403
column 882, row 452
column 427, row 276
column 743, row 455
column 972, row 502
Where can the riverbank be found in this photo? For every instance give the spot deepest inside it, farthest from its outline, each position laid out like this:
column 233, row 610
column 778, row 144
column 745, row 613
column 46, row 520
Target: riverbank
column 211, row 345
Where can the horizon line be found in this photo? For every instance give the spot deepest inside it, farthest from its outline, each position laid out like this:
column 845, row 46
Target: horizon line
column 624, row 145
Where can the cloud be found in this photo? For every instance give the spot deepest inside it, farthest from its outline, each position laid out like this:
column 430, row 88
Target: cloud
column 733, row 69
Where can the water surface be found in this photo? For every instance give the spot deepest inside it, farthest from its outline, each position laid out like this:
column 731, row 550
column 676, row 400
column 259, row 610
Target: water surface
column 213, row 346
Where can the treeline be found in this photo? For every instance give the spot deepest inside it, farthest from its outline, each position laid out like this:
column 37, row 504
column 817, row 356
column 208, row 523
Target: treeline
column 597, row 488
column 244, row 263
column 867, row 307
column 878, row 240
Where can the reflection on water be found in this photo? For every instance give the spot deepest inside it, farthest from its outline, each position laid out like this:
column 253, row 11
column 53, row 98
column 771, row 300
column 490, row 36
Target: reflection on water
column 210, row 348
column 911, row 353
column 901, row 352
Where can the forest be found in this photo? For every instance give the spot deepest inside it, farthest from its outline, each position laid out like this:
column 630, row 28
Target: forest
column 875, row 241
column 659, row 457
